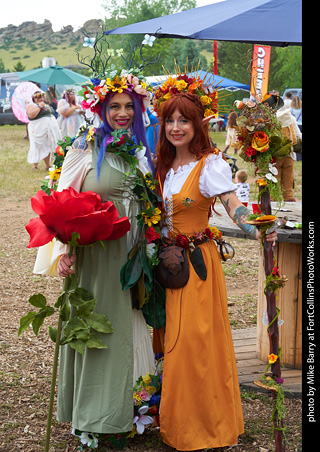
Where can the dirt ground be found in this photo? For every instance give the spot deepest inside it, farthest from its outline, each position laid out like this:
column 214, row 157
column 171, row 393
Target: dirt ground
column 26, row 362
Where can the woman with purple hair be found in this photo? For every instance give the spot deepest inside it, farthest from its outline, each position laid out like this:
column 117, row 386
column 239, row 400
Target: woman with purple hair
column 70, row 114
column 95, row 391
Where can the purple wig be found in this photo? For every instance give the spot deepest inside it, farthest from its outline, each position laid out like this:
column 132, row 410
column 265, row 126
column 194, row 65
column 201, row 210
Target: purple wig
column 137, row 128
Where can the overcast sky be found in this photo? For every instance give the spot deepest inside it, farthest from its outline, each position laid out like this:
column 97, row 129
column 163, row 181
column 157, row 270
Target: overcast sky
column 59, row 12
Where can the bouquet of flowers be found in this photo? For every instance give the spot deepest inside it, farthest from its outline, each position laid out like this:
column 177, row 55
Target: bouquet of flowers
column 260, row 141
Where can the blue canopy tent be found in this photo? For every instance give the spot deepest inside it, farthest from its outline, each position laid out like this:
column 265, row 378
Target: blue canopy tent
column 265, row 22
column 216, row 80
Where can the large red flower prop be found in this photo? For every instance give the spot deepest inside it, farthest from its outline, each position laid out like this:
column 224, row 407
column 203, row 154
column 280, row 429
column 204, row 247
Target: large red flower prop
column 65, row 212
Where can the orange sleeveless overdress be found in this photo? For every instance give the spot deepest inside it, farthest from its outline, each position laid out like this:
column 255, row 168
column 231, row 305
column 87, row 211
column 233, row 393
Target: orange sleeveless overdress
column 200, row 402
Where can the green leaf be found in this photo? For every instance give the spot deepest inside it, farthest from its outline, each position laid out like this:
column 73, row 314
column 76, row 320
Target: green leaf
column 39, row 318
column 70, row 283
column 83, row 335
column 154, row 310
column 53, row 333
column 78, row 345
column 86, row 308
column 99, row 322
column 65, row 312
column 60, row 300
column 26, row 321
column 95, row 342
column 131, row 271
column 38, row 300
column 75, row 324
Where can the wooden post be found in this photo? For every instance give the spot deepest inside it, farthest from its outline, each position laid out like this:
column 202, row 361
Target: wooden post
column 272, row 313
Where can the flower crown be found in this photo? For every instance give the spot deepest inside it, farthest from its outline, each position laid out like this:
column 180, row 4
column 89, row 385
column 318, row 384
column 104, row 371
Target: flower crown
column 95, row 91
column 188, row 83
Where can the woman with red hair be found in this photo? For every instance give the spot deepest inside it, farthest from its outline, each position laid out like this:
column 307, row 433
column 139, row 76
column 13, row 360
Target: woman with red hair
column 200, row 399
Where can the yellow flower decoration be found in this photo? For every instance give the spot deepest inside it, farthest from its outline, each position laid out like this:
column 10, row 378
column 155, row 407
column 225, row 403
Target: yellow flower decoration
column 209, row 112
column 167, row 96
column 206, row 100
column 261, row 182
column 272, row 358
column 181, row 85
column 169, row 82
column 90, row 134
column 55, row 174
column 117, row 85
column 151, row 216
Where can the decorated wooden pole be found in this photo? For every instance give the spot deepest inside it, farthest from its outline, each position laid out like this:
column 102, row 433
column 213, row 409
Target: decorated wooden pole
column 273, row 329
column 261, row 142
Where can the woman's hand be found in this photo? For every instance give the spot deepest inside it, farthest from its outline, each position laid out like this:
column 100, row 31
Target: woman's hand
column 272, row 237
column 64, row 265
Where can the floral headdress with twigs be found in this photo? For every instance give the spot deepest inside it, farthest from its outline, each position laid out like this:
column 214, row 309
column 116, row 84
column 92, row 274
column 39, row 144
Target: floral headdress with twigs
column 189, row 82
column 111, row 80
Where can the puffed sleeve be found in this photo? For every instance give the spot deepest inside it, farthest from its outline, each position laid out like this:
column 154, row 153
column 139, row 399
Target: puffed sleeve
column 216, row 176
column 74, row 169
column 63, row 105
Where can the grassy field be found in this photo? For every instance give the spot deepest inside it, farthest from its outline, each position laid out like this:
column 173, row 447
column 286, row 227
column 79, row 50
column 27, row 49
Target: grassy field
column 19, row 181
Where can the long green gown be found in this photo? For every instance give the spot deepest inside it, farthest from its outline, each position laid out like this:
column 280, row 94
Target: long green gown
column 95, row 390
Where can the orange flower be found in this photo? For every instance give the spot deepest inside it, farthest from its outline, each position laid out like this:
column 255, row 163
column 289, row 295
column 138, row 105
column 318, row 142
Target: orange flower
column 261, row 182
column 272, row 358
column 260, row 141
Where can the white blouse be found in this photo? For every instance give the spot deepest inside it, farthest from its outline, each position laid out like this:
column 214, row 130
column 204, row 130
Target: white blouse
column 215, row 177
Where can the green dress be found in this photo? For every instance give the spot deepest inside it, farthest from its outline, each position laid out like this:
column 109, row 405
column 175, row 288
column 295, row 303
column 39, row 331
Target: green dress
column 95, row 391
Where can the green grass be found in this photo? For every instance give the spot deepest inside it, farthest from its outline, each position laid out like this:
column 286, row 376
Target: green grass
column 64, row 54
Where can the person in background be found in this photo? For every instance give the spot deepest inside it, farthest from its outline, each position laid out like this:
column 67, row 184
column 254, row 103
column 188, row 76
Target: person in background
column 43, row 130
column 296, row 111
column 50, row 98
column 285, row 165
column 231, row 132
column 243, row 188
column 288, row 99
column 70, row 114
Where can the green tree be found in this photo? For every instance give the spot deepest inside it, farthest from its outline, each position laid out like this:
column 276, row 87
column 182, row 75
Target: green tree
column 2, row 66
column 133, row 11
column 19, row 67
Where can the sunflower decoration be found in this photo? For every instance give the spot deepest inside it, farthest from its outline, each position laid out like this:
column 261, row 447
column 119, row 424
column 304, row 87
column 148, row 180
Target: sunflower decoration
column 189, row 82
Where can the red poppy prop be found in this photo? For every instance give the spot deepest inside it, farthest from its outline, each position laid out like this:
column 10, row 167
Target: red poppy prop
column 65, row 212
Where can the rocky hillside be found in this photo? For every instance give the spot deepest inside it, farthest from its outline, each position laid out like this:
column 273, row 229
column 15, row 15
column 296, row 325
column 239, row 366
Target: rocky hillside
column 31, row 31
column 30, row 42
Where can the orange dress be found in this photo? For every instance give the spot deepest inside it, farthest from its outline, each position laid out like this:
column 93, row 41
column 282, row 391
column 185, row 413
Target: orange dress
column 200, row 401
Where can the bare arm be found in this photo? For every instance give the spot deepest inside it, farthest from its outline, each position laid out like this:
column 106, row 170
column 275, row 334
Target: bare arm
column 239, row 214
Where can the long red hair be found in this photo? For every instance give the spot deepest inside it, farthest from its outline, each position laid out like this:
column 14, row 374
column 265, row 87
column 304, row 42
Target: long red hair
column 189, row 106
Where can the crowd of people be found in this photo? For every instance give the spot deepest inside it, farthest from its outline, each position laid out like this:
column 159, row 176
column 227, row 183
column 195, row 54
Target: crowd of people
column 200, row 397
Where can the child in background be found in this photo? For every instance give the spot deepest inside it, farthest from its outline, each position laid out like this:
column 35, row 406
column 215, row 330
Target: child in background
column 243, row 189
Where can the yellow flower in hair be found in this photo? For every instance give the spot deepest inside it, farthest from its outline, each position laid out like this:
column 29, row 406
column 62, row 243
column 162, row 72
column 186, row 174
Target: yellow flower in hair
column 167, row 96
column 206, row 100
column 181, row 85
column 117, row 85
column 169, row 82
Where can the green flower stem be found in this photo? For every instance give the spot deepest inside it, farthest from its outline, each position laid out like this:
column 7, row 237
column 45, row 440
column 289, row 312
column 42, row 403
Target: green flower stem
column 53, row 385
column 54, row 376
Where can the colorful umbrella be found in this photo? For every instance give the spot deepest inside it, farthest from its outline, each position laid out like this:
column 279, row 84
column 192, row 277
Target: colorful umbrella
column 52, row 75
column 20, row 97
